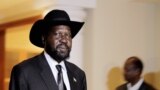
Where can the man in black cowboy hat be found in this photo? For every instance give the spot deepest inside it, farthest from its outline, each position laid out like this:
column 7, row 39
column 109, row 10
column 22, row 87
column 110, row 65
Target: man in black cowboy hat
column 50, row 70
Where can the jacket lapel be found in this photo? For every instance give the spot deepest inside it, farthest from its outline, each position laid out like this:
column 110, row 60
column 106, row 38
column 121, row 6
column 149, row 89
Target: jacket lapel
column 71, row 76
column 142, row 87
column 46, row 73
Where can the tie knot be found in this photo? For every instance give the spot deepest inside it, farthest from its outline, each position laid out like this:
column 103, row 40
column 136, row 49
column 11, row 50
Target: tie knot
column 59, row 68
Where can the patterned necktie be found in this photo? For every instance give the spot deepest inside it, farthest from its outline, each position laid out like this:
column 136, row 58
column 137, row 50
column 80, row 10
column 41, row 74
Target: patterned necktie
column 60, row 82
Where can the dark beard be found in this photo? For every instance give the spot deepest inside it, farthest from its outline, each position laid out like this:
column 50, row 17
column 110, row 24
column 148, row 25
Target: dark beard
column 58, row 55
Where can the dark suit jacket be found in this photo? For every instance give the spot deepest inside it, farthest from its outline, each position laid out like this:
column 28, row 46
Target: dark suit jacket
column 35, row 74
column 144, row 86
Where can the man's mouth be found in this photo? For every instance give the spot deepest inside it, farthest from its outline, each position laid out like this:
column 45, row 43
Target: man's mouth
column 62, row 48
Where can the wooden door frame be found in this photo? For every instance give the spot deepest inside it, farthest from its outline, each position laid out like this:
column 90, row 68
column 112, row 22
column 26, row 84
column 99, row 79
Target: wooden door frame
column 2, row 50
column 3, row 28
column 19, row 22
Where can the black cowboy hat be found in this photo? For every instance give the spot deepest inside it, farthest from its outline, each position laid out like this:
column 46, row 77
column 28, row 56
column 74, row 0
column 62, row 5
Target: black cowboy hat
column 54, row 17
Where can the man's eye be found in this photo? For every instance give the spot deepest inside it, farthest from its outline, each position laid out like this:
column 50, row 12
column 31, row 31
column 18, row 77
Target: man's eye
column 68, row 34
column 57, row 34
column 60, row 35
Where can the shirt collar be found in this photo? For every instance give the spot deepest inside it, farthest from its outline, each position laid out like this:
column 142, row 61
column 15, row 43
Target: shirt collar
column 136, row 86
column 53, row 61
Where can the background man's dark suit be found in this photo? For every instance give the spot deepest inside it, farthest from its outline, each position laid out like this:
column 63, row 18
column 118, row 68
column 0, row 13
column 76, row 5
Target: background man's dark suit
column 35, row 74
column 144, row 86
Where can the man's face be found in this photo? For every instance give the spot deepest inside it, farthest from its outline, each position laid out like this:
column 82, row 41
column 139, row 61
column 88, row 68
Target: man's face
column 58, row 43
column 130, row 71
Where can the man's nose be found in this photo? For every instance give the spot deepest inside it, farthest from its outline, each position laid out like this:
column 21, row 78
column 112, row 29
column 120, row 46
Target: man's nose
column 63, row 39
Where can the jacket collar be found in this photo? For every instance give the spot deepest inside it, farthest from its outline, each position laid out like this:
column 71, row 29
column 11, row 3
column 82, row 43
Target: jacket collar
column 46, row 73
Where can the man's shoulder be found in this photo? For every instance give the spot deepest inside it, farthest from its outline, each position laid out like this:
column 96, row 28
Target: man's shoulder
column 122, row 87
column 147, row 86
column 73, row 67
column 28, row 63
column 76, row 72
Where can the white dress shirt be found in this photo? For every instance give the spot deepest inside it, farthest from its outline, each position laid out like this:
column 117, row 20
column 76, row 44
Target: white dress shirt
column 52, row 63
column 136, row 86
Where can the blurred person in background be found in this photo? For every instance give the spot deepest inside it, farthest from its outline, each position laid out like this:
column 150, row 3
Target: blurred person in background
column 133, row 68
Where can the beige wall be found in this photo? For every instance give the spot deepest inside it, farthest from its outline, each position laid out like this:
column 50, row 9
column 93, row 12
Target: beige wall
column 114, row 31
column 158, row 44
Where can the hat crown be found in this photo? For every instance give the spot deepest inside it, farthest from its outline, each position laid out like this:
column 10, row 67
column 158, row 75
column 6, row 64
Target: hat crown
column 54, row 17
column 57, row 15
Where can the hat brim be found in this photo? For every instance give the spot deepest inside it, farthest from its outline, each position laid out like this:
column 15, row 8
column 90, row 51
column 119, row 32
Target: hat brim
column 38, row 29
